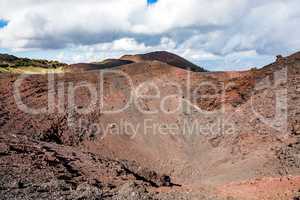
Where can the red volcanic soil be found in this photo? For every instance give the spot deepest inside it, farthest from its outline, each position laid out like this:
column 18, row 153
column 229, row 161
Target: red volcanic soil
column 246, row 146
column 263, row 188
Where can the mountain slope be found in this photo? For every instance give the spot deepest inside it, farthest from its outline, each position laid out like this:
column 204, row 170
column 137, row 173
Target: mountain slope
column 235, row 154
column 13, row 64
column 106, row 64
column 165, row 57
column 161, row 56
column 10, row 63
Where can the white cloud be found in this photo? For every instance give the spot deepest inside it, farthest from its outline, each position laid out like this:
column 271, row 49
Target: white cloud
column 114, row 49
column 199, row 29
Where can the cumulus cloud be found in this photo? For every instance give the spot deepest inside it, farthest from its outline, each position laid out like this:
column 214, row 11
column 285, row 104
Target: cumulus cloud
column 198, row 29
column 114, row 49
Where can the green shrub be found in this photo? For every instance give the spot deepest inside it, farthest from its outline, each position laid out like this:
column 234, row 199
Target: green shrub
column 4, row 65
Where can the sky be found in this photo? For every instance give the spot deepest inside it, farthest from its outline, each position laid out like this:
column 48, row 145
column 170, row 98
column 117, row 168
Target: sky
column 216, row 34
column 3, row 23
column 152, row 1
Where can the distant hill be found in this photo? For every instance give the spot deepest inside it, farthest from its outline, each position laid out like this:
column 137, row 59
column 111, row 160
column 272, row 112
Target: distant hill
column 13, row 64
column 106, row 64
column 165, row 57
column 6, row 58
column 10, row 63
column 13, row 61
column 161, row 56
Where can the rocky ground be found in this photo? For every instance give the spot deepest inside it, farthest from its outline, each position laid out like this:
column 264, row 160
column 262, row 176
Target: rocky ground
column 248, row 148
column 38, row 170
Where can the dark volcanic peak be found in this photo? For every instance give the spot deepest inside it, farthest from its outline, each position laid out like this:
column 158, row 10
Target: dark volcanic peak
column 106, row 64
column 114, row 62
column 165, row 57
column 161, row 56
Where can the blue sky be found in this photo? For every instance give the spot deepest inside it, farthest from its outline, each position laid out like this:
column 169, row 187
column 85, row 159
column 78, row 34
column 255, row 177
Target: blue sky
column 3, row 23
column 217, row 36
column 152, row 1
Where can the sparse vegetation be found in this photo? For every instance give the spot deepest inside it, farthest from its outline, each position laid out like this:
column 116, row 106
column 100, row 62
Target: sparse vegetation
column 12, row 64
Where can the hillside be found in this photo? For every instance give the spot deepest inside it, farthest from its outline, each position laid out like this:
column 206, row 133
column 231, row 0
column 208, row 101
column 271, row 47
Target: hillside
column 164, row 57
column 161, row 56
column 13, row 64
column 106, row 64
column 246, row 147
